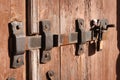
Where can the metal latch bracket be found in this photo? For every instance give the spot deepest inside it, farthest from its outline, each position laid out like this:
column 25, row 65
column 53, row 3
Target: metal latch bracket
column 46, row 40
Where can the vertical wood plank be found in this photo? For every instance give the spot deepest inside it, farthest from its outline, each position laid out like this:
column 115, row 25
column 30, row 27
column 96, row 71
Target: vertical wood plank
column 49, row 9
column 95, row 60
column 72, row 67
column 10, row 10
column 32, row 15
column 33, row 29
column 111, row 47
column 34, row 65
column 101, row 65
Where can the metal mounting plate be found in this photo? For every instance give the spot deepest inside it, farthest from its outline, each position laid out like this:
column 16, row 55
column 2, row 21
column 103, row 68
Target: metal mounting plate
column 47, row 41
column 18, row 44
column 18, row 61
column 19, row 37
column 83, row 36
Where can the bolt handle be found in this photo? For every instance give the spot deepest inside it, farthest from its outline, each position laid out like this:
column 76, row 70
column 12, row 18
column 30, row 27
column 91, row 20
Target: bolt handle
column 110, row 25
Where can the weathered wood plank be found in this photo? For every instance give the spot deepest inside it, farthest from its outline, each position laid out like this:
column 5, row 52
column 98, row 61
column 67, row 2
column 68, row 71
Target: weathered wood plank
column 32, row 15
column 10, row 10
column 101, row 65
column 49, row 9
column 95, row 61
column 33, row 29
column 34, row 64
column 72, row 67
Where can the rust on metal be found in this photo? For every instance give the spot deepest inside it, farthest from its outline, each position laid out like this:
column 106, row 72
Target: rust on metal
column 18, row 60
column 45, row 57
column 72, row 38
column 47, row 36
column 23, row 42
column 47, row 41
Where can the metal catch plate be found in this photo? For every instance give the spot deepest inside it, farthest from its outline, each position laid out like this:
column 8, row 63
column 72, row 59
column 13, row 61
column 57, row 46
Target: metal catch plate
column 81, row 36
column 45, row 57
column 47, row 36
column 103, row 23
column 47, row 41
column 18, row 44
column 19, row 37
column 17, row 61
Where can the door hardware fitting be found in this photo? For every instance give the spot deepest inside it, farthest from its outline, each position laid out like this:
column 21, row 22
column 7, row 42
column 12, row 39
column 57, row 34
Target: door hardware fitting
column 95, row 34
column 20, row 42
column 50, row 75
column 81, row 36
column 98, row 28
column 11, row 78
column 47, row 40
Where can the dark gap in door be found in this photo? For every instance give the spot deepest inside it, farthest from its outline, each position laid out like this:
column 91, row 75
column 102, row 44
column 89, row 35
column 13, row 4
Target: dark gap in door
column 27, row 54
column 118, row 41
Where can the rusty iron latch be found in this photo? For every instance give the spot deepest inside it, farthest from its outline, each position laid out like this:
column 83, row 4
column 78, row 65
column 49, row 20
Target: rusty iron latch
column 98, row 28
column 46, row 40
column 20, row 42
column 95, row 34
column 81, row 36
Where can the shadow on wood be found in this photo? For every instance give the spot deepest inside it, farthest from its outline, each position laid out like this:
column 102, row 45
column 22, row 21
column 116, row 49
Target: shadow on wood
column 118, row 41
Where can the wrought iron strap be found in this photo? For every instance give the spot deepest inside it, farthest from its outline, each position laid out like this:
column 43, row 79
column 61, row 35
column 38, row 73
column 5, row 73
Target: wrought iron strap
column 63, row 39
column 23, row 42
column 18, row 42
column 46, row 40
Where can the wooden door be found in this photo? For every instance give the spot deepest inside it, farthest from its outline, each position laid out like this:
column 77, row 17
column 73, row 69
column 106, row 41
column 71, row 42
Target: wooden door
column 10, row 10
column 88, row 66
column 49, row 10
column 102, row 65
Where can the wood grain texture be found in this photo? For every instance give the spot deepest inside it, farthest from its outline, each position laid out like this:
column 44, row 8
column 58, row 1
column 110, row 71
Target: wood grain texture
column 32, row 15
column 49, row 9
column 34, row 64
column 10, row 10
column 102, row 65
column 33, row 29
column 72, row 67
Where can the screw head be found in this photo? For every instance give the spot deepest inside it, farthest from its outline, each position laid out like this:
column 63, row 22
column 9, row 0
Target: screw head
column 17, row 27
column 50, row 73
column 19, row 60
